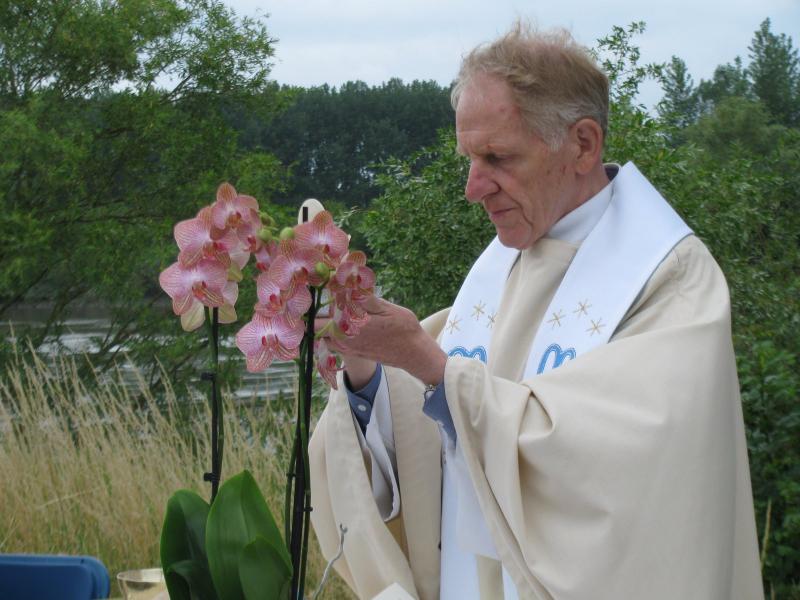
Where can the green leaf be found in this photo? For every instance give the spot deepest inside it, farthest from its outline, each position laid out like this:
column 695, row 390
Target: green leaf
column 183, row 555
column 264, row 571
column 177, row 585
column 239, row 515
column 189, row 579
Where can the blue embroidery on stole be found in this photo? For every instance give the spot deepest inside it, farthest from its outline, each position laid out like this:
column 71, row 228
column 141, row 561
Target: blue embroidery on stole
column 478, row 352
column 561, row 356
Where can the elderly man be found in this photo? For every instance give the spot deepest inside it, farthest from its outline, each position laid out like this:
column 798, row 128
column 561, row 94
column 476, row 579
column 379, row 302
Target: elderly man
column 571, row 427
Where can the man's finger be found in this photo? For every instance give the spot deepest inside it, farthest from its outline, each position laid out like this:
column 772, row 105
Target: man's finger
column 334, row 344
column 374, row 305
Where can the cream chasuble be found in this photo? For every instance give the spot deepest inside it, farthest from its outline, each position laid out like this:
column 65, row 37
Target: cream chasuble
column 621, row 474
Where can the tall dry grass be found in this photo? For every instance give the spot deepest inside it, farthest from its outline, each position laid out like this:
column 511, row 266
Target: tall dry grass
column 88, row 469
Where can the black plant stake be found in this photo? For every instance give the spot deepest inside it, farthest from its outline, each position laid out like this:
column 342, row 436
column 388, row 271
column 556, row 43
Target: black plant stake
column 217, row 432
column 298, row 477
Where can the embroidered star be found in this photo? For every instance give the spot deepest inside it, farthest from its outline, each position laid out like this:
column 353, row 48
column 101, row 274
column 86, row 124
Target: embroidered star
column 452, row 324
column 490, row 320
column 556, row 320
column 478, row 310
column 595, row 328
column 582, row 308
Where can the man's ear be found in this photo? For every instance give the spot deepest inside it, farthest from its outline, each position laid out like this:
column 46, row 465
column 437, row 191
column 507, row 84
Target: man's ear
column 587, row 137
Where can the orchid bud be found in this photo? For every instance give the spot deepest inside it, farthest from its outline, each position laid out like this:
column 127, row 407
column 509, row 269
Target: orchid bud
column 287, row 233
column 322, row 270
column 266, row 219
column 265, row 235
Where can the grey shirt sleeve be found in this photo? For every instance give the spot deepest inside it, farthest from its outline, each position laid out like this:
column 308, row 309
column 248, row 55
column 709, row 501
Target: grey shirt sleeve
column 436, row 408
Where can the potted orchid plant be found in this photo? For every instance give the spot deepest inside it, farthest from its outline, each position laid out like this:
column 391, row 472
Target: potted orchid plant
column 232, row 548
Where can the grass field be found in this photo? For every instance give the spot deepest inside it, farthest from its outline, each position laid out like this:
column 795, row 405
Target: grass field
column 89, row 469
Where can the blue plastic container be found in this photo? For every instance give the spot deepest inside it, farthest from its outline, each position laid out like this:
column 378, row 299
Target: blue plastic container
column 52, row 577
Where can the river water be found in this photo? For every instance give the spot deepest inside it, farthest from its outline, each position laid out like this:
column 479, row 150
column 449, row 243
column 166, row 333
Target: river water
column 88, row 324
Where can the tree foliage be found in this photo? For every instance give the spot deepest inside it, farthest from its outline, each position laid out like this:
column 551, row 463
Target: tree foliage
column 112, row 129
column 774, row 72
column 679, row 107
column 771, row 78
column 729, row 80
column 420, row 223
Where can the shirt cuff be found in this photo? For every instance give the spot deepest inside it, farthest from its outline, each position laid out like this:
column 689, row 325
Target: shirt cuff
column 361, row 401
column 435, row 406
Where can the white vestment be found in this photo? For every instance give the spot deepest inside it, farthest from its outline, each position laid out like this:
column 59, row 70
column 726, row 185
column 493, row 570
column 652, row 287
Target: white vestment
column 622, row 474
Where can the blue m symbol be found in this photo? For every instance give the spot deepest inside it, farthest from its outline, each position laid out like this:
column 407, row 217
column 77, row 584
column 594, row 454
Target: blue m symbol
column 478, row 352
column 560, row 357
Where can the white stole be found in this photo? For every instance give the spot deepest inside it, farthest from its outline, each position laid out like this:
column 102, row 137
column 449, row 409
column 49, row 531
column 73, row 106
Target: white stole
column 635, row 233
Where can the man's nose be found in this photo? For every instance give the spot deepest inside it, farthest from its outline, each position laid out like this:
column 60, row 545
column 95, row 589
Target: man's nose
column 479, row 182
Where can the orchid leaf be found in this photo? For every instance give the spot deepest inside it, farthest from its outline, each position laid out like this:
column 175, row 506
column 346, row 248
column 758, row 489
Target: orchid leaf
column 189, row 580
column 238, row 516
column 183, row 555
column 264, row 571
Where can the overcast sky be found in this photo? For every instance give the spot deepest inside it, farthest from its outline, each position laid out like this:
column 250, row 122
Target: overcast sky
column 334, row 41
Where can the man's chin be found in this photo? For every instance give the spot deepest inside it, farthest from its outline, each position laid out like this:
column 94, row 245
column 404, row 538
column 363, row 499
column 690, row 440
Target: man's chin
column 512, row 239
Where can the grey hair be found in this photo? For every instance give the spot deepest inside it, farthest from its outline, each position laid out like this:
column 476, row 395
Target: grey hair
column 554, row 80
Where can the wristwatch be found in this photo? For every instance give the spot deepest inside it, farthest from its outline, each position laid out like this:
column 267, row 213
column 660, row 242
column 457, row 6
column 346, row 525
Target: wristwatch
column 429, row 389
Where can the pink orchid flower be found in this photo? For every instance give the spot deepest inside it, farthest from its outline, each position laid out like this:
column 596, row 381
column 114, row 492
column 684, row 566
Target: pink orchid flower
column 296, row 263
column 238, row 213
column 232, row 210
column 348, row 318
column 203, row 281
column 353, row 280
column 266, row 255
column 323, row 234
column 277, row 298
column 264, row 339
column 198, row 238
column 327, row 363
column 195, row 316
column 248, row 230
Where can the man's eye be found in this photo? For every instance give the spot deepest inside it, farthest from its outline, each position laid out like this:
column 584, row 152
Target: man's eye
column 494, row 159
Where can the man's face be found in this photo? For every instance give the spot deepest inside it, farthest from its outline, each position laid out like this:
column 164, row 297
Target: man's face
column 523, row 185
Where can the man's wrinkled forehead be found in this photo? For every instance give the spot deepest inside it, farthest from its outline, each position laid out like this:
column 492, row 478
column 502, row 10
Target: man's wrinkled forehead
column 485, row 116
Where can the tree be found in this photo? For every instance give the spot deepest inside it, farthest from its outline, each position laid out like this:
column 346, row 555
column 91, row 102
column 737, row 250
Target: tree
column 774, row 71
column 772, row 77
column 619, row 57
column 729, row 80
column 734, row 122
column 680, row 105
column 112, row 129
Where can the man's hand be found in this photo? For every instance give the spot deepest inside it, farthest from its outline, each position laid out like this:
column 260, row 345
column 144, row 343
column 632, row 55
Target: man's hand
column 393, row 337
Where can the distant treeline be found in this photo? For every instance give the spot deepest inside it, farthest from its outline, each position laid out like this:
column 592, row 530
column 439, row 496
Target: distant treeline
column 119, row 119
column 333, row 140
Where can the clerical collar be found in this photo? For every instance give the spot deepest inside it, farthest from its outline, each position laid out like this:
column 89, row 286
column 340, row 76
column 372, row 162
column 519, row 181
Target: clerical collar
column 576, row 225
